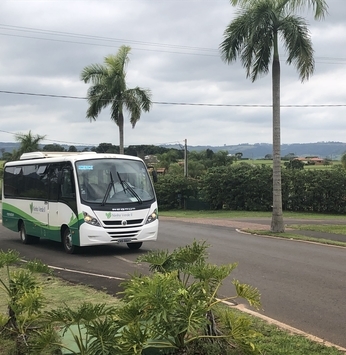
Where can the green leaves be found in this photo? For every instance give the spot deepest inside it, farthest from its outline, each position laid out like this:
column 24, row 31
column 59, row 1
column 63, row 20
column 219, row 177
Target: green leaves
column 38, row 266
column 240, row 330
column 24, row 299
column 91, row 326
column 239, row 187
column 177, row 301
column 9, row 258
column 172, row 308
column 250, row 293
column 172, row 190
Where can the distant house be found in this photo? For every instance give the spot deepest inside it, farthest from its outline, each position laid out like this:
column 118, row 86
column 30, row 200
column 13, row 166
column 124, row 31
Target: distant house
column 317, row 161
column 311, row 160
column 161, row 171
column 151, row 159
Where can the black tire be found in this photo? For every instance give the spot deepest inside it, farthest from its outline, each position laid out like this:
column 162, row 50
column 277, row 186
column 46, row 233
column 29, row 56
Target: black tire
column 25, row 238
column 67, row 242
column 134, row 246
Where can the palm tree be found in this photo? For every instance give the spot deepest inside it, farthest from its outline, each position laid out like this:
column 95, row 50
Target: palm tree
column 254, row 37
column 109, row 88
column 28, row 143
column 343, row 160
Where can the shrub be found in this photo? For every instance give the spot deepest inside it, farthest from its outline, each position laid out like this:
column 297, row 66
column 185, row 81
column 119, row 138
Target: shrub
column 239, row 187
column 173, row 190
column 248, row 187
column 177, row 305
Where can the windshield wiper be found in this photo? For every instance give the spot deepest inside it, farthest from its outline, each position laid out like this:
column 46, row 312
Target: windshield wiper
column 110, row 185
column 129, row 187
column 121, row 182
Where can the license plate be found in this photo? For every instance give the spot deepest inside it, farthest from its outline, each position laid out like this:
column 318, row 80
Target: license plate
column 124, row 240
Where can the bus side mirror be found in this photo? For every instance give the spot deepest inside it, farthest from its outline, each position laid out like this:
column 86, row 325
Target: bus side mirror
column 154, row 173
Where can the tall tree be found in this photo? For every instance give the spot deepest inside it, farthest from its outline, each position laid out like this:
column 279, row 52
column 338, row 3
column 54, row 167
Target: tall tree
column 253, row 36
column 28, row 143
column 53, row 148
column 109, row 87
column 343, row 160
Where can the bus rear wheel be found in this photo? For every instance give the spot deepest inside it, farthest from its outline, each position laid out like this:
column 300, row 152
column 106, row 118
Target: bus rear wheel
column 67, row 242
column 134, row 246
column 25, row 238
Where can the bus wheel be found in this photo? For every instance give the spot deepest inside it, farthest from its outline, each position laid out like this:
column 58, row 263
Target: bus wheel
column 25, row 238
column 134, row 246
column 67, row 242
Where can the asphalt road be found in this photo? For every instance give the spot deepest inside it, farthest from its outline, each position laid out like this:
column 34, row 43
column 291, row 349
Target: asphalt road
column 302, row 284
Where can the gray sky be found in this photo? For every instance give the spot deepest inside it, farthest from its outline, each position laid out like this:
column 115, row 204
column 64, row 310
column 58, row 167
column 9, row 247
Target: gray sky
column 45, row 45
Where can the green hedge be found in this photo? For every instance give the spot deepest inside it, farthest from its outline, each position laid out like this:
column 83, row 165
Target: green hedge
column 173, row 191
column 249, row 188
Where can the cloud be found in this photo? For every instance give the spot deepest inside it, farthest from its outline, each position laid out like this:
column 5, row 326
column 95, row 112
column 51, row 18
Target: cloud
column 46, row 44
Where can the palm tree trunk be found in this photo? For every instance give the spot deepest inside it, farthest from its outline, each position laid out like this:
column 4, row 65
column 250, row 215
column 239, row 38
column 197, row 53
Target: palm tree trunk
column 121, row 133
column 277, row 223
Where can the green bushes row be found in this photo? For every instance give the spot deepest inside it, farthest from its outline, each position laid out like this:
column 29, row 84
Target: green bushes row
column 248, row 187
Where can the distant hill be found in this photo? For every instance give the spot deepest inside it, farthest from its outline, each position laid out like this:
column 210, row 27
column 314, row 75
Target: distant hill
column 330, row 150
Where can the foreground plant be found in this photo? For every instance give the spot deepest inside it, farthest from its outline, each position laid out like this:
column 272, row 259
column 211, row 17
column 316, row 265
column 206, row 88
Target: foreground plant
column 175, row 310
column 90, row 327
column 24, row 299
column 177, row 305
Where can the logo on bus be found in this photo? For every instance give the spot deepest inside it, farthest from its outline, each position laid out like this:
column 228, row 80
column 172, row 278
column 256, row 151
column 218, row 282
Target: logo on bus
column 118, row 215
column 34, row 208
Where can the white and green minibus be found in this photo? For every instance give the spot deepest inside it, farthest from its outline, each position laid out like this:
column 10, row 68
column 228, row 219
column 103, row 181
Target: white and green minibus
column 79, row 199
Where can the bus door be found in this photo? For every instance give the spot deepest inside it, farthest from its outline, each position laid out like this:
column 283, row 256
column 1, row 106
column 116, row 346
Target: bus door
column 67, row 211
column 53, row 230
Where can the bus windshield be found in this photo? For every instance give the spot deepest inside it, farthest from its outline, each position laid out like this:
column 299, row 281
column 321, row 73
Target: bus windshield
column 113, row 181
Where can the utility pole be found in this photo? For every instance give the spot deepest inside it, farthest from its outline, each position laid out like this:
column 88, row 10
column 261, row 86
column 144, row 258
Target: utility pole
column 185, row 158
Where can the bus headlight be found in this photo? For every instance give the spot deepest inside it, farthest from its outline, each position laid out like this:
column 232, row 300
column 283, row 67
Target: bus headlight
column 152, row 217
column 90, row 220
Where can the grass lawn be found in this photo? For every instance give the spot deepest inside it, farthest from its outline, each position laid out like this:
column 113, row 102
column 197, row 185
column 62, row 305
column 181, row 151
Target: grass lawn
column 58, row 292
column 269, row 162
column 335, row 228
column 246, row 214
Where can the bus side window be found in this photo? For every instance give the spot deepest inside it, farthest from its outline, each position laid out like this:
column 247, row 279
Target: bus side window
column 53, row 182
column 67, row 184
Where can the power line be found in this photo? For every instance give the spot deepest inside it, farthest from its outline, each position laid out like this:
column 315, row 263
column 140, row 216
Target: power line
column 108, row 42
column 51, row 140
column 174, row 103
column 90, row 144
column 108, row 45
column 107, row 39
column 43, row 95
column 213, row 52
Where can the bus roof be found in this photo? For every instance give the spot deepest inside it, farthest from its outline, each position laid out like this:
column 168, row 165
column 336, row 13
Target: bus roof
column 51, row 157
column 41, row 155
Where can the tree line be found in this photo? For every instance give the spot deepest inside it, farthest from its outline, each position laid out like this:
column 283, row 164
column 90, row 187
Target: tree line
column 32, row 143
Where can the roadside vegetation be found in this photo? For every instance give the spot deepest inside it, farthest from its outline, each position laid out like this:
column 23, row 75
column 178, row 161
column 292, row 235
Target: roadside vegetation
column 246, row 187
column 173, row 310
column 247, row 214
